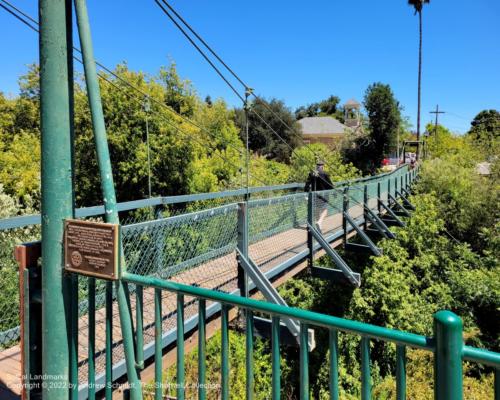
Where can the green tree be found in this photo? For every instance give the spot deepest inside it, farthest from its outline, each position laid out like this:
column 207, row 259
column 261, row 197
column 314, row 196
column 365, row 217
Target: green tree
column 384, row 116
column 418, row 5
column 442, row 142
column 485, row 132
column 327, row 107
column 264, row 118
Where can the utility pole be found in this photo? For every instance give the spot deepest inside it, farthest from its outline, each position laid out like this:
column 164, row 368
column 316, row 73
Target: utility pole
column 437, row 112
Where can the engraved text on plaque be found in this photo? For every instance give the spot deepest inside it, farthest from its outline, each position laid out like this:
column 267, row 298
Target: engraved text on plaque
column 91, row 248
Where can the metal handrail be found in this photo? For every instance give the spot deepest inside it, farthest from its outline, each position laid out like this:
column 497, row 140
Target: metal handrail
column 35, row 219
column 446, row 344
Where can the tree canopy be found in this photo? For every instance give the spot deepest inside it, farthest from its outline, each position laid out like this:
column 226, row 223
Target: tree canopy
column 327, row 107
column 485, row 131
column 262, row 139
column 385, row 121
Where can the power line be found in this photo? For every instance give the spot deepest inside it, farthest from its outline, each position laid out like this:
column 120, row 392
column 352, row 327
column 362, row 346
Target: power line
column 199, row 50
column 109, row 71
column 231, row 71
column 436, row 112
column 13, row 13
column 210, row 49
column 207, row 46
column 146, row 95
column 102, row 77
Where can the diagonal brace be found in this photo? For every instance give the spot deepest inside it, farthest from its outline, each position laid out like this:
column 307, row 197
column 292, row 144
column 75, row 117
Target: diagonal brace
column 399, row 206
column 375, row 250
column 394, row 217
column 406, row 202
column 346, row 270
column 267, row 289
column 406, row 191
column 379, row 224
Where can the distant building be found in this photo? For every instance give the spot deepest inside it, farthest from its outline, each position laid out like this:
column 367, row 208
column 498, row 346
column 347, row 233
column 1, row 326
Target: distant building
column 352, row 110
column 484, row 168
column 325, row 130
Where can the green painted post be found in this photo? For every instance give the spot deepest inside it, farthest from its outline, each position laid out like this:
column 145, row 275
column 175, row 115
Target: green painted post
column 366, row 385
column 91, row 339
column 180, row 347
column 243, row 246
column 275, row 349
column 139, row 335
column 249, row 355
column 379, row 193
column 57, row 190
column 304, row 362
column 310, row 220
column 448, row 356
column 202, row 339
column 109, row 341
column 107, row 185
column 158, row 346
column 345, row 209
column 388, row 191
column 400, row 372
column 73, row 350
column 225, row 352
column 365, row 202
column 334, row 364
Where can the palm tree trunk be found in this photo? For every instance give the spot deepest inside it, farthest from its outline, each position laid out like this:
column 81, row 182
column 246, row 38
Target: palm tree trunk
column 419, row 81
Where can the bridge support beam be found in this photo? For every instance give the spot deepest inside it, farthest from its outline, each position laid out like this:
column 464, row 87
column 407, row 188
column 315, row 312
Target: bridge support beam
column 406, row 202
column 339, row 262
column 333, row 275
column 108, row 188
column 56, row 109
column 369, row 245
column 401, row 210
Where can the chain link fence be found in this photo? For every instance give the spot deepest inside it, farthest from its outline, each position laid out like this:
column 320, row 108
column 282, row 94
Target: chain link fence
column 194, row 243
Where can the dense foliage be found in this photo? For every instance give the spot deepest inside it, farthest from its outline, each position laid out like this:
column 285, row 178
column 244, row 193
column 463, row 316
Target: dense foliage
column 273, row 131
column 485, row 131
column 384, row 114
column 327, row 107
column 446, row 256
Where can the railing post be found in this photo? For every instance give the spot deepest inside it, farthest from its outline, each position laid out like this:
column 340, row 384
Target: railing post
column 57, row 195
column 365, row 202
column 310, row 220
column 388, row 191
column 379, row 197
column 345, row 209
column 448, row 356
column 243, row 246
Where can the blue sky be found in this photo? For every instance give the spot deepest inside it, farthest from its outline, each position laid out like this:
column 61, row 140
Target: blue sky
column 300, row 52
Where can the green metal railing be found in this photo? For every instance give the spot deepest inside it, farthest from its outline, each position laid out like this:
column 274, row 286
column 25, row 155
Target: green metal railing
column 446, row 344
column 166, row 248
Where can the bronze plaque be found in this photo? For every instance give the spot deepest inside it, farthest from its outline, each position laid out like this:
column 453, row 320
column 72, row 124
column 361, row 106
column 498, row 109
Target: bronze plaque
column 91, row 248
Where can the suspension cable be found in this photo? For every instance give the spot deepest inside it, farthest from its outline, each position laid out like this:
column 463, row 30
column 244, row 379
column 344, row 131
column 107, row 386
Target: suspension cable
column 231, row 71
column 16, row 13
column 199, row 50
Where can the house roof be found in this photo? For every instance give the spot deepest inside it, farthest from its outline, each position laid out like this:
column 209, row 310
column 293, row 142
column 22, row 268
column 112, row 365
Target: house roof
column 321, row 126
